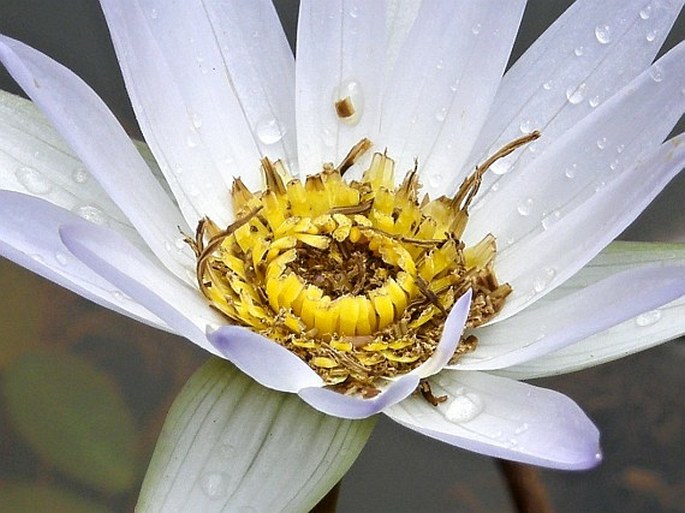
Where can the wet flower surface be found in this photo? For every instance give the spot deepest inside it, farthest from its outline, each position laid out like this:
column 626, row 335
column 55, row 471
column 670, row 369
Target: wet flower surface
column 218, row 96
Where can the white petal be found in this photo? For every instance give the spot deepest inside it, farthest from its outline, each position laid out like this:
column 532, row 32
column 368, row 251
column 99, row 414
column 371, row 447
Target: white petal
column 354, row 406
column 594, row 153
column 35, row 160
column 642, row 332
column 257, row 356
column 212, row 87
column 506, row 419
column 230, row 445
column 340, row 51
column 29, row 236
column 451, row 335
column 556, row 324
column 442, row 86
column 99, row 141
column 112, row 257
column 543, row 260
column 567, row 72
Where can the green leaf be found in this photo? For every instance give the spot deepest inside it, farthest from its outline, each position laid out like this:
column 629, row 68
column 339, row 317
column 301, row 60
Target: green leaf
column 33, row 498
column 73, row 416
column 230, row 444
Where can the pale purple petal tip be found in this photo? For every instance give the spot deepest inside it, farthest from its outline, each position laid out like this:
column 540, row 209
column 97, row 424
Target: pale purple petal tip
column 451, row 335
column 263, row 360
column 355, row 406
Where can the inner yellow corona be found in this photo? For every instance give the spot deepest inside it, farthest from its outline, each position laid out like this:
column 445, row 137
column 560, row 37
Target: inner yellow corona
column 356, row 278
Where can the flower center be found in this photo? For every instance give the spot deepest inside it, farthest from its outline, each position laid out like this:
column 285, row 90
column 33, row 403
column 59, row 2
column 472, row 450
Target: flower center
column 356, row 278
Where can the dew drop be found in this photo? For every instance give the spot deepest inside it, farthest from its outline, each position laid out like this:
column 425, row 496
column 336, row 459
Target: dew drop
column 464, row 408
column 614, row 164
column 33, row 180
column 268, row 131
column 522, row 429
column 602, row 143
column 196, row 120
column 500, row 167
column 543, row 280
column 191, row 141
column 651, row 36
column 575, row 95
column 354, row 12
column 435, row 180
column 441, row 114
column 214, row 484
column 440, row 64
column 646, row 12
column 118, row 296
column 61, row 258
column 593, row 102
column 526, row 126
column 550, row 219
column 227, row 450
column 603, row 34
column 578, row 51
column 570, row 172
column 91, row 213
column 524, row 208
column 656, row 73
column 79, row 175
column 648, row 318
column 352, row 90
column 476, row 29
column 547, row 86
column 38, row 258
column 620, row 148
column 154, row 14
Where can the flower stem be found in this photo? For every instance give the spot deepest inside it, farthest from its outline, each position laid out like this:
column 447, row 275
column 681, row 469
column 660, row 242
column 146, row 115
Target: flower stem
column 329, row 503
column 525, row 487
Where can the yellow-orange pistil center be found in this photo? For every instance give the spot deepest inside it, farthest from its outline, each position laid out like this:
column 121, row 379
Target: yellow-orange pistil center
column 356, row 278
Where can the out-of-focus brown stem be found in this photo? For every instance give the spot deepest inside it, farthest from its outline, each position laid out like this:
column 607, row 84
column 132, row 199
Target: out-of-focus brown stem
column 329, row 503
column 525, row 487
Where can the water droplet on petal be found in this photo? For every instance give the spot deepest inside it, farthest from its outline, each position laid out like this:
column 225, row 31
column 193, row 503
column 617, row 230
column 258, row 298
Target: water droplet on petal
column 196, row 120
column 191, row 141
column 526, row 126
column 500, row 167
column 476, row 29
column 154, row 14
column 440, row 64
column 550, row 219
column 524, row 208
column 464, row 408
column 548, row 85
column 33, row 180
column 648, row 318
column 656, row 73
column 352, row 90
column 602, row 143
column 543, row 280
column 522, row 428
column 354, row 12
column 620, row 148
column 61, row 258
column 214, row 484
column 603, row 34
column 227, row 450
column 614, row 164
column 91, row 213
column 435, row 180
column 575, row 95
column 646, row 12
column 80, row 175
column 593, row 102
column 118, row 296
column 441, row 114
column 578, row 51
column 651, row 36
column 570, row 172
column 268, row 131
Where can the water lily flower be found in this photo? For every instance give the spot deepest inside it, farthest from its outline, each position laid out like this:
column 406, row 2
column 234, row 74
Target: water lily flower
column 387, row 222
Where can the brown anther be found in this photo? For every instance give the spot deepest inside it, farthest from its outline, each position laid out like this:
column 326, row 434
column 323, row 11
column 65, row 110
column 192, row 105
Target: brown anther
column 344, row 108
column 427, row 393
column 353, row 155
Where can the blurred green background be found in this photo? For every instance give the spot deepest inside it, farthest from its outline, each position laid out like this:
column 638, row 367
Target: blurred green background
column 83, row 392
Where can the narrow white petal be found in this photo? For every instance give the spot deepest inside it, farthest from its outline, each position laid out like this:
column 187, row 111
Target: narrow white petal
column 506, row 419
column 29, row 236
column 641, row 332
column 582, row 59
column 340, row 51
column 230, row 445
column 443, row 84
column 257, row 356
column 451, row 335
column 35, row 160
column 99, row 141
column 553, row 252
column 334, row 403
column 595, row 152
column 552, row 325
column 115, row 259
column 202, row 86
